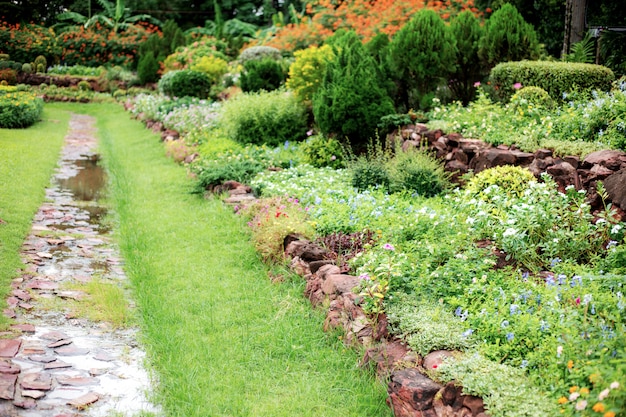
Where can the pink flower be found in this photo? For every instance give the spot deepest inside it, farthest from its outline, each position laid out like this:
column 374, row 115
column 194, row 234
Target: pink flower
column 577, row 300
column 603, row 394
column 574, row 396
column 517, row 86
column 477, row 84
column 388, row 246
column 581, row 405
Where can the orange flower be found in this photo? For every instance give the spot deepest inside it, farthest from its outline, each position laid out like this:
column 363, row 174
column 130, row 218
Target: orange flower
column 598, row 407
column 570, row 364
column 609, row 414
column 573, row 389
column 562, row 400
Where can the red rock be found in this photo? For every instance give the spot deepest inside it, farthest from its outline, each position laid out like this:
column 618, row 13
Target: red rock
column 13, row 301
column 37, row 381
column 616, row 188
column 54, row 336
column 9, row 347
column 59, row 343
column 339, row 284
column 83, row 401
column 77, row 381
column 31, row 393
column 25, row 306
column 7, row 386
column 411, row 392
column 71, row 351
column 25, row 327
column 56, row 365
column 7, row 367
column 9, row 313
column 475, row 404
column 42, row 285
column 22, row 295
column 42, row 358
column 104, row 357
column 26, row 403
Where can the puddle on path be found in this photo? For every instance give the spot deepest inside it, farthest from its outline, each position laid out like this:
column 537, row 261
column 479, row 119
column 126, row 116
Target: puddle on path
column 61, row 365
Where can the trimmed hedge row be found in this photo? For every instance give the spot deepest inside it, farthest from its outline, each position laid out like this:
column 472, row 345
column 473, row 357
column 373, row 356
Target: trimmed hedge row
column 554, row 77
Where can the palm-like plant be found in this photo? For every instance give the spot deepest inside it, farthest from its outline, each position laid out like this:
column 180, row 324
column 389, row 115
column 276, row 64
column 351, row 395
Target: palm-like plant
column 115, row 16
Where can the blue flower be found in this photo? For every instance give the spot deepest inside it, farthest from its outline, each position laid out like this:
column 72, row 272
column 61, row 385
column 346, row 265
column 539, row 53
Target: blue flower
column 504, row 324
column 554, row 262
column 561, row 279
column 576, row 280
column 510, row 336
column 550, row 282
column 544, row 326
column 513, row 309
column 468, row 333
column 524, row 364
column 458, row 311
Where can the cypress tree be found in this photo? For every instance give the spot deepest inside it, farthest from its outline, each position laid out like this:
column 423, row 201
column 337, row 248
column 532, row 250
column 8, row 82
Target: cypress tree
column 467, row 32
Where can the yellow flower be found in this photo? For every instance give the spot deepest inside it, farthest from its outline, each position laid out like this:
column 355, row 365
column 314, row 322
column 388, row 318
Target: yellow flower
column 584, row 391
column 598, row 407
column 570, row 364
column 562, row 400
column 573, row 389
column 609, row 414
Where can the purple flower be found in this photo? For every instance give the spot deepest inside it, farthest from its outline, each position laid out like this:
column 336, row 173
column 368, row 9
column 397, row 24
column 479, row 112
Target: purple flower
column 477, row 84
column 388, row 246
column 517, row 86
column 468, row 333
column 364, row 277
column 309, row 132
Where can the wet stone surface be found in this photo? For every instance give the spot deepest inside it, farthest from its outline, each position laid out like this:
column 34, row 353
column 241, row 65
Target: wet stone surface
column 62, row 365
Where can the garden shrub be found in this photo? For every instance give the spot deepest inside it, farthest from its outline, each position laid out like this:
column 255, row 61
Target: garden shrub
column 148, row 68
column 41, row 62
column 422, row 55
column 84, row 85
column 467, row 32
column 265, row 74
column 307, row 71
column 320, row 151
column 264, row 118
column 350, row 102
column 24, row 42
column 508, row 37
column 212, row 66
column 512, row 179
column 232, row 165
column 185, row 83
column 79, row 70
column 367, row 173
column 259, row 53
column 9, row 76
column 27, row 68
column 19, row 109
column 533, row 95
column 556, row 77
column 418, row 173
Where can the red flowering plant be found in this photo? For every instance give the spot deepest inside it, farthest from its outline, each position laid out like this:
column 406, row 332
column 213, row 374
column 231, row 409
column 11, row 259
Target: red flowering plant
column 23, row 43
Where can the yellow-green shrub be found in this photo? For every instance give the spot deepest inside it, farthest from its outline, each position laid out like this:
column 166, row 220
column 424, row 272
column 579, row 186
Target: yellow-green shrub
column 511, row 178
column 18, row 109
column 307, row 71
column 212, row 66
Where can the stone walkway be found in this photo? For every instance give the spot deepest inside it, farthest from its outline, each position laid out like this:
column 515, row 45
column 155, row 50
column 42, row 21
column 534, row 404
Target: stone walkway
column 63, row 364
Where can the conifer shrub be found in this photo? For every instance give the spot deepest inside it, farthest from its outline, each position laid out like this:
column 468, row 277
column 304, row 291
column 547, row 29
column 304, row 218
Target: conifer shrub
column 265, row 74
column 422, row 55
column 148, row 68
column 350, row 102
column 467, row 32
column 185, row 83
column 508, row 38
column 554, row 77
column 307, row 71
column 269, row 118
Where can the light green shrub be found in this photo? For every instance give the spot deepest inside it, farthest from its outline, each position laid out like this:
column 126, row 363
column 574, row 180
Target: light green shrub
column 264, row 118
column 19, row 109
column 212, row 66
column 307, row 71
column 511, row 178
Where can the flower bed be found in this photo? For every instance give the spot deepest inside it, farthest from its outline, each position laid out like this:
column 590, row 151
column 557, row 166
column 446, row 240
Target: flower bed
column 18, row 109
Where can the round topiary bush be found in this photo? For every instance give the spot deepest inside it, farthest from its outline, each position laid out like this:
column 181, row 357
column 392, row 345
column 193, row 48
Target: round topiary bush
column 185, row 83
column 514, row 179
column 18, row 109
column 265, row 74
column 533, row 95
column 258, row 53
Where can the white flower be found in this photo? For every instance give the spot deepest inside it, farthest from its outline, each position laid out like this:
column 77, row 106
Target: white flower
column 559, row 350
column 574, row 396
column 509, row 232
column 614, row 385
column 581, row 405
column 603, row 394
column 615, row 229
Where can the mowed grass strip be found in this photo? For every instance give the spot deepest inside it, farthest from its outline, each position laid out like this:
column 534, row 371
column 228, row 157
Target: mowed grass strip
column 223, row 340
column 27, row 161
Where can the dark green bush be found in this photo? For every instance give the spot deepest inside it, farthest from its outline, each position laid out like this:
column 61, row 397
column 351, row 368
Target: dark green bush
column 508, row 38
column 148, row 68
column 266, row 74
column 368, row 173
column 554, row 77
column 422, row 54
column 350, row 102
column 185, row 83
column 264, row 118
column 467, row 31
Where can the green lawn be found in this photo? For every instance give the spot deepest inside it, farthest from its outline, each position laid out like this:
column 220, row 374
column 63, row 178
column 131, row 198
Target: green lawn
column 222, row 339
column 27, row 159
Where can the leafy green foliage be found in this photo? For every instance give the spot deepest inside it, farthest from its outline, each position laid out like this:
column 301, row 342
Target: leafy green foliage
column 422, row 54
column 307, row 71
column 583, row 51
column 536, row 96
column 185, row 83
column 19, row 109
column 368, row 174
column 212, row 66
column 508, row 38
column 554, row 77
column 418, row 173
column 320, row 151
column 513, row 180
column 467, row 31
column 264, row 118
column 148, row 68
column 265, row 74
column 349, row 102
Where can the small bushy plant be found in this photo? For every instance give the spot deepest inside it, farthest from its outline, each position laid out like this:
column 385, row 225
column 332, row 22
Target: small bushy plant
column 212, row 66
column 418, row 173
column 148, row 68
column 259, row 53
column 307, row 71
column 320, row 151
column 513, row 180
column 19, row 109
column 185, row 83
column 265, row 74
column 269, row 118
column 536, row 96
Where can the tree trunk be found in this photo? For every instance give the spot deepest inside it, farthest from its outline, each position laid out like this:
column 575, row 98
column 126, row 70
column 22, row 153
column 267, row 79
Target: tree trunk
column 575, row 11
